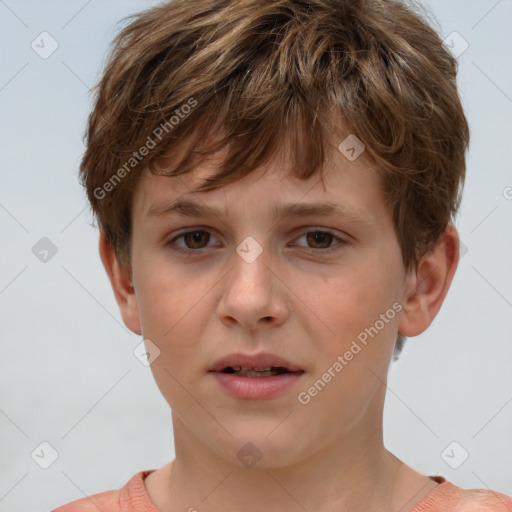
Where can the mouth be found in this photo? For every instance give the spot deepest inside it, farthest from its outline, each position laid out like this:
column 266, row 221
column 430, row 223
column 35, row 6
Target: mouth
column 262, row 364
column 257, row 376
column 268, row 371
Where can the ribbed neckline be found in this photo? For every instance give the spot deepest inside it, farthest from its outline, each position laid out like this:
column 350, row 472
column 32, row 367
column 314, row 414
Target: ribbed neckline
column 443, row 493
column 134, row 494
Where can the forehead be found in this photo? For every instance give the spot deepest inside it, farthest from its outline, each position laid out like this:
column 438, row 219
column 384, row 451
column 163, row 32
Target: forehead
column 352, row 189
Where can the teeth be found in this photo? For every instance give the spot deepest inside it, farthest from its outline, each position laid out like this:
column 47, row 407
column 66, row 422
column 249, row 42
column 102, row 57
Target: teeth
column 238, row 368
column 256, row 373
column 266, row 371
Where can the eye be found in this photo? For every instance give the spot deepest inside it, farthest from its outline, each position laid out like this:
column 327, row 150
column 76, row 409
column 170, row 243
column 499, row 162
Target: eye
column 194, row 241
column 323, row 239
column 197, row 240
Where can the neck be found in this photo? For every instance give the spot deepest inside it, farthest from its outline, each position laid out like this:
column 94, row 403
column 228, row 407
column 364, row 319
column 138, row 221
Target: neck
column 357, row 476
column 347, row 468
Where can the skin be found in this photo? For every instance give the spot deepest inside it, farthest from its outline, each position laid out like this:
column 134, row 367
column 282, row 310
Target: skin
column 295, row 301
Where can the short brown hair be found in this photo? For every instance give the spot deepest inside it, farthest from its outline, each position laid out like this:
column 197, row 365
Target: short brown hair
column 264, row 72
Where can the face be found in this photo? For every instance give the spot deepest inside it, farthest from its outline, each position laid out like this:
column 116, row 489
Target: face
column 320, row 290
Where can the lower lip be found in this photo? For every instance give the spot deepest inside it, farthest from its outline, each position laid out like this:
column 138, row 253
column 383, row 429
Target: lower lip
column 256, row 388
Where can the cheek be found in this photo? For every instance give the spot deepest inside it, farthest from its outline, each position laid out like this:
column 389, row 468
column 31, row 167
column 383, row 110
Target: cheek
column 173, row 304
column 350, row 303
column 174, row 314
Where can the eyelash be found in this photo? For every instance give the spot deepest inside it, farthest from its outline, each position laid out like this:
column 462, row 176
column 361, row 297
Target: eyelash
column 180, row 250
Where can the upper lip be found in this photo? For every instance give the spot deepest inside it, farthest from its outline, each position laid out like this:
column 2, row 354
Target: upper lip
column 251, row 361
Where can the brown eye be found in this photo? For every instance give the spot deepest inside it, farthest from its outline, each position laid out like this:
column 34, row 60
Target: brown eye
column 321, row 242
column 196, row 239
column 192, row 242
column 322, row 238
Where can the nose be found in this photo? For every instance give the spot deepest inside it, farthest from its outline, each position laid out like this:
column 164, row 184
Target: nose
column 254, row 295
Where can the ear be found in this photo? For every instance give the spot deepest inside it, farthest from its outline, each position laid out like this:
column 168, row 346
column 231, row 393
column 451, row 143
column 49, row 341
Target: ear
column 121, row 285
column 427, row 287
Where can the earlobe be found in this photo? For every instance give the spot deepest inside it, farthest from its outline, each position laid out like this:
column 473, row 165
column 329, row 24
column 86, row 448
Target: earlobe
column 121, row 285
column 426, row 288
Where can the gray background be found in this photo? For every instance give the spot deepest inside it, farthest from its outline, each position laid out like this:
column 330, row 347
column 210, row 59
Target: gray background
column 68, row 373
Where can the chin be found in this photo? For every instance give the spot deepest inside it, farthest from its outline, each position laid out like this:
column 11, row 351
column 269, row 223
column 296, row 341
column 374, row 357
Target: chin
column 264, row 446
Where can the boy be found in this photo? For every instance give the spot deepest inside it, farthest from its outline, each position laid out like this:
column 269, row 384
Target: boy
column 320, row 147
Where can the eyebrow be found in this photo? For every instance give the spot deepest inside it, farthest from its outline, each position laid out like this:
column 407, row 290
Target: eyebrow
column 188, row 208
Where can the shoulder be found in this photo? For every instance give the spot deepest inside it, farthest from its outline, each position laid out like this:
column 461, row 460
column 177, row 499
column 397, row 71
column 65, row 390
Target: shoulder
column 448, row 497
column 108, row 501
column 132, row 496
column 483, row 500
